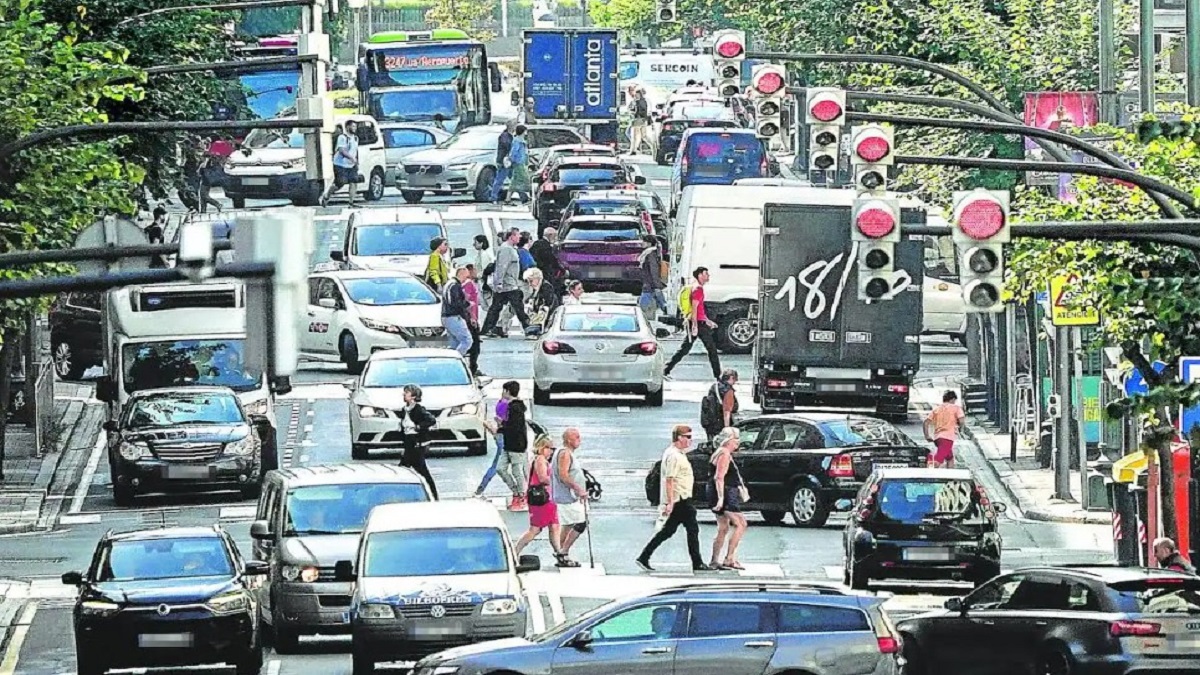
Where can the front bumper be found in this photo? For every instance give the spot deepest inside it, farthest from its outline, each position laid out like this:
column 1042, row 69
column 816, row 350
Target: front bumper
column 643, row 375
column 923, row 559
column 408, row 639
column 320, row 607
column 117, row 641
column 277, row 186
column 438, row 179
column 371, row 341
column 150, row 474
column 384, row 432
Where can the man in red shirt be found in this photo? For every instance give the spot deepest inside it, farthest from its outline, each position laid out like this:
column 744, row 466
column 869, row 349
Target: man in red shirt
column 696, row 325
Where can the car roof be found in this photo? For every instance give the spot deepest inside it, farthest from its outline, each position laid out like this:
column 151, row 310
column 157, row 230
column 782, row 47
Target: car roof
column 176, row 391
column 395, row 215
column 1109, row 574
column 604, row 218
column 415, row 353
column 688, row 111
column 607, row 196
column 566, row 162
column 451, row 513
column 600, row 308
column 915, row 472
column 364, row 274
column 165, row 533
column 720, row 130
column 347, row 473
column 818, row 417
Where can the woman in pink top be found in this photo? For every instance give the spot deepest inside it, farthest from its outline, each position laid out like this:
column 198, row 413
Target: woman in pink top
column 942, row 427
column 471, row 290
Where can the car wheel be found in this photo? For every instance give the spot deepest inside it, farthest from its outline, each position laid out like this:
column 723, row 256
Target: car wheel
column 123, row 495
column 362, row 665
column 348, row 348
column 358, row 451
column 655, row 398
column 88, row 664
column 773, row 517
column 859, row 579
column 808, row 507
column 1055, row 660
column 375, row 186
column 413, row 196
column 541, row 396
column 238, row 202
column 64, row 362
column 286, row 641
column 477, row 448
column 736, row 332
column 483, row 188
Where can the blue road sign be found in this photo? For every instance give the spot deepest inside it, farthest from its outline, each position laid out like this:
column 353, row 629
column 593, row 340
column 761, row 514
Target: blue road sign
column 1135, row 384
column 1189, row 371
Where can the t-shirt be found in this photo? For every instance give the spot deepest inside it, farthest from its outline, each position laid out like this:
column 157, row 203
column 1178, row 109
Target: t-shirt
column 348, row 144
column 945, row 419
column 698, row 303
column 675, row 465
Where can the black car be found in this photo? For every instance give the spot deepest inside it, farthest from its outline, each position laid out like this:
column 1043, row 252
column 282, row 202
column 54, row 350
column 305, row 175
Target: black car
column 922, row 524
column 805, row 463
column 573, row 175
column 75, row 338
column 1061, row 620
column 183, row 438
column 690, row 117
column 641, row 203
column 166, row 598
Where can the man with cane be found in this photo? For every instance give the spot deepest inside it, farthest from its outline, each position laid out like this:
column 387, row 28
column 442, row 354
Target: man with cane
column 568, row 489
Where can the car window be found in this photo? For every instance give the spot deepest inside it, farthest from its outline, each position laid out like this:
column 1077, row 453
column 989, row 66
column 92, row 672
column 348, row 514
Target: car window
column 608, row 208
column 441, row 552
column 994, row 594
column 179, row 409
column 421, row 371
column 1160, row 595
column 788, row 436
column 603, row 231
column 314, row 290
column 598, row 322
column 916, row 500
column 84, row 300
column 1035, row 593
column 406, row 138
column 796, row 618
column 590, row 175
column 749, row 432
column 327, row 290
column 649, row 622
column 849, row 432
column 388, row 291
column 366, row 133
column 1080, row 598
column 714, row 619
column 462, row 231
column 397, row 239
column 164, row 558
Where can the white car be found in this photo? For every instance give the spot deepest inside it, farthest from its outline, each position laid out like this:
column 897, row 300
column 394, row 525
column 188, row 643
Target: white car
column 464, row 222
column 945, row 313
column 390, row 239
column 447, row 391
column 353, row 314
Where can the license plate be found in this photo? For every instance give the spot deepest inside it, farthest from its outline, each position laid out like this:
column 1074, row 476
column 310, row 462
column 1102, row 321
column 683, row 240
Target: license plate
column 261, row 182
column 879, row 467
column 1184, row 642
column 927, row 554
column 186, row 472
column 453, row 628
column 837, row 387
column 165, row 640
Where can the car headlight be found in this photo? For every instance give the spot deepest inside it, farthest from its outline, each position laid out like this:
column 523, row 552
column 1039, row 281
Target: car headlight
column 439, row 670
column 99, row 607
column 459, row 167
column 464, row 409
column 381, row 326
column 228, row 603
column 133, row 451
column 366, row 411
column 242, row 446
column 375, row 611
column 500, row 606
column 297, row 572
column 261, row 407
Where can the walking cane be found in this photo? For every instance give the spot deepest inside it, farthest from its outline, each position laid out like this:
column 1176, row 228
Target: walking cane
column 587, row 517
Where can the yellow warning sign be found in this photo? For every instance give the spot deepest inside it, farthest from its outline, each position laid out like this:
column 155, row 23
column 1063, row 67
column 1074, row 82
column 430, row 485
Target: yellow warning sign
column 1069, row 305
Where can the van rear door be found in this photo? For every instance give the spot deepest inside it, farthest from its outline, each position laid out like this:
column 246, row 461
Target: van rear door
column 721, row 158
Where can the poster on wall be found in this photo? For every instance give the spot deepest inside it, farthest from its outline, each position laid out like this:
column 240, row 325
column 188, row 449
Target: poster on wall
column 1056, row 111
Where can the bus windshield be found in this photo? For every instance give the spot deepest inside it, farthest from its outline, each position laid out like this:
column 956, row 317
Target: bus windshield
column 415, row 105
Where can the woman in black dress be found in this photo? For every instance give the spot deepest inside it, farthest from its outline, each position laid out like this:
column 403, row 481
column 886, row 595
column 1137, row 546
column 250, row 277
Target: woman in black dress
column 727, row 494
column 416, row 422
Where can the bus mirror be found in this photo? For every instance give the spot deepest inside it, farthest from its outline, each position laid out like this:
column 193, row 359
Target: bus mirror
column 360, row 77
column 494, row 77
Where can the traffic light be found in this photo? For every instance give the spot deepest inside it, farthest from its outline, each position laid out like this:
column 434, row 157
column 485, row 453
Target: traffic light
column 981, row 229
column 877, row 231
column 729, row 51
column 665, row 11
column 871, row 152
column 825, row 113
column 770, row 81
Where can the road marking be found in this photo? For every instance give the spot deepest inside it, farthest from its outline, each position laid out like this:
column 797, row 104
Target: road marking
column 9, row 665
column 89, row 472
column 273, row 666
column 235, row 512
column 557, row 613
column 536, row 616
column 833, row 572
column 308, row 429
column 303, row 459
column 79, row 519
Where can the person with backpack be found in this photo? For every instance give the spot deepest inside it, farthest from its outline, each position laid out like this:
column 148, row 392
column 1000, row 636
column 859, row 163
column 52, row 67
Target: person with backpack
column 696, row 325
column 720, row 404
column 675, row 501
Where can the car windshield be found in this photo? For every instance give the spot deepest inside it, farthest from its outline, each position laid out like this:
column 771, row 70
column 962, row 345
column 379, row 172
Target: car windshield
column 260, row 139
column 472, row 139
column 178, row 363
column 342, row 509
column 592, row 176
column 421, row 371
column 462, row 231
column 426, row 553
column 602, row 231
column 608, row 208
column 650, row 203
column 181, row 409
column 850, row 432
column 598, row 322
column 174, row 558
column 1162, row 595
column 916, row 501
column 704, row 113
column 378, row 292
column 395, row 239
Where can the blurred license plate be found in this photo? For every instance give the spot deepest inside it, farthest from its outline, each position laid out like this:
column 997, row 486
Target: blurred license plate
column 837, row 387
column 604, row 374
column 187, row 472
column 165, row 640
column 1188, row 642
column 451, row 628
column 927, row 554
column 256, row 181
column 890, row 466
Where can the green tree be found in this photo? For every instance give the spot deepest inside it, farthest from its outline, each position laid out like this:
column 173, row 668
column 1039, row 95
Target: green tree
column 472, row 16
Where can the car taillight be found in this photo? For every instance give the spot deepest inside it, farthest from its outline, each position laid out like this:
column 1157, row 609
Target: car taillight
column 868, row 503
column 983, row 497
column 648, row 222
column 683, row 163
column 1134, row 629
column 549, row 187
column 842, row 467
column 898, row 388
column 764, row 166
column 889, row 645
column 556, row 347
column 643, row 349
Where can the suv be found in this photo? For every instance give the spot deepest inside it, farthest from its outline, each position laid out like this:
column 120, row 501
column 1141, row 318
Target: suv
column 166, row 598
column 735, row 628
column 75, row 338
column 308, row 519
column 573, row 175
column 922, row 524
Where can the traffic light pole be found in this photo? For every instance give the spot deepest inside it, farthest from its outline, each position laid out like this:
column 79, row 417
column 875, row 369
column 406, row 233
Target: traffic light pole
column 103, row 253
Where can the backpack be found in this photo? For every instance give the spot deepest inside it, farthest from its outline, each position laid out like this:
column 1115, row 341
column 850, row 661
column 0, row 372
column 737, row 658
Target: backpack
column 654, row 484
column 685, row 301
column 711, row 411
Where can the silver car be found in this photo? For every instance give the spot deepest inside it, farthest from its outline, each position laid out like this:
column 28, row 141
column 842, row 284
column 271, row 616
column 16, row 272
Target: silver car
column 598, row 347
column 401, row 139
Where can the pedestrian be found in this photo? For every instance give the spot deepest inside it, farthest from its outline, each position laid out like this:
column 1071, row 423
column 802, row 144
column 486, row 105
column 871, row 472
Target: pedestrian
column 518, row 164
column 514, row 463
column 1166, row 552
column 568, row 489
column 640, row 125
column 156, row 234
column 543, row 512
column 942, row 427
column 523, row 252
column 415, row 425
column 574, row 293
column 471, row 290
column 720, row 404
column 439, row 121
column 546, row 258
column 675, row 500
column 503, row 146
column 345, row 165
column 727, row 494
column 543, row 300
column 456, row 312
column 208, row 174
column 506, row 288
column 527, row 114
column 484, row 261
column 696, row 326
column 650, row 271
column 494, row 428
column 437, row 270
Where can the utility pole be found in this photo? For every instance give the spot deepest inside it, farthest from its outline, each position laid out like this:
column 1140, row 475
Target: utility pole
column 312, row 104
column 1077, row 405
column 1146, row 57
column 1108, row 53
column 1062, row 436
column 1192, row 44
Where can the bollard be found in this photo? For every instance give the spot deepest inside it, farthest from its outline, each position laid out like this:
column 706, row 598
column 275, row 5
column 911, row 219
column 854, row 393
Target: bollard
column 1181, row 466
column 1125, row 518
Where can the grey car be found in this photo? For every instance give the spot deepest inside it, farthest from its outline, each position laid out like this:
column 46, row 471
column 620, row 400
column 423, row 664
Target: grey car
column 737, row 628
column 401, row 139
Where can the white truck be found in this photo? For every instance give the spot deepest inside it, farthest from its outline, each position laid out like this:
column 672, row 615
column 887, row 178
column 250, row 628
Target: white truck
column 182, row 334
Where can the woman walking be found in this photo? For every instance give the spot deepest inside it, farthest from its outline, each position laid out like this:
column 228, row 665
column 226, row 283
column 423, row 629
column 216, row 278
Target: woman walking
column 416, row 422
column 543, row 513
column 518, row 162
column 494, row 428
column 727, row 493
column 542, row 300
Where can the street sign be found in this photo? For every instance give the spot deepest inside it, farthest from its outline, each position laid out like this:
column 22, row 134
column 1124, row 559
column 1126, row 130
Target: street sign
column 1189, row 371
column 1136, row 383
column 111, row 232
column 1067, row 306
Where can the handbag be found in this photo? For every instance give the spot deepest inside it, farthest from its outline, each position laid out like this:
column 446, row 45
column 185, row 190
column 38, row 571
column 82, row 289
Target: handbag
column 743, row 494
column 537, row 495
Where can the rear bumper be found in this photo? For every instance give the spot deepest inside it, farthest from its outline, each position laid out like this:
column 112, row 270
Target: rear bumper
column 809, row 394
column 923, row 559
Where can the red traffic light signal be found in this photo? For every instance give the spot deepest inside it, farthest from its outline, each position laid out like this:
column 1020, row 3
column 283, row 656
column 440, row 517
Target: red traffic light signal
column 981, row 215
column 875, row 220
column 768, row 81
column 730, row 45
column 873, row 144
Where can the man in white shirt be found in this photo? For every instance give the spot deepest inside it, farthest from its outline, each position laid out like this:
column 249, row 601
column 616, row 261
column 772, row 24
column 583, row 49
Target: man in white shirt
column 345, row 164
column 675, row 500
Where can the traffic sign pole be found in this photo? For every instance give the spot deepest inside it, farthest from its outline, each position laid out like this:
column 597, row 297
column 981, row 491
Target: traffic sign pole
column 1062, row 454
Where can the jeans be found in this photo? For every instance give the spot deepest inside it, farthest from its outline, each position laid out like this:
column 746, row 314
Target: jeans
column 705, row 335
column 473, row 352
column 459, row 333
column 512, row 299
column 491, row 471
column 513, row 468
column 683, row 513
column 648, row 299
column 502, row 174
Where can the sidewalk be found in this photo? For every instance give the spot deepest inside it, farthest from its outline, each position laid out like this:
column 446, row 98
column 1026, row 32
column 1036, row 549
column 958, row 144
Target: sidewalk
column 35, row 488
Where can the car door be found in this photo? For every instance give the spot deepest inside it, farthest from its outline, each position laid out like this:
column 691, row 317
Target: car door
column 638, row 640
column 727, row 638
column 773, row 459
column 318, row 337
column 1038, row 609
column 965, row 642
column 748, row 433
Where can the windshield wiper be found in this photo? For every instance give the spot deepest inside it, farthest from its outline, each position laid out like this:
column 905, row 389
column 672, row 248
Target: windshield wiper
column 945, row 515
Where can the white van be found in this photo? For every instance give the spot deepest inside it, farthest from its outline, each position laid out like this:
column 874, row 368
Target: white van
column 389, row 238
column 430, row 576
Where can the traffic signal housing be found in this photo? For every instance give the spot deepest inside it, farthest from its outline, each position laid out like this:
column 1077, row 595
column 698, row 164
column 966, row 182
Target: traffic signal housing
column 875, row 228
column 770, row 83
column 872, row 148
column 666, row 11
column 980, row 229
column 729, row 53
column 825, row 114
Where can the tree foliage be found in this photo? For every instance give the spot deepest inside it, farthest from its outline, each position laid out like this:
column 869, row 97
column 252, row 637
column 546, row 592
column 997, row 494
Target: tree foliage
column 472, row 16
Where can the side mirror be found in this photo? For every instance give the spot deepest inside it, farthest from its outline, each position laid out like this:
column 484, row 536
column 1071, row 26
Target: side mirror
column 72, row 579
column 639, row 180
column 494, row 78
column 256, row 568
column 343, row 570
column 111, row 426
column 515, row 99
column 281, row 386
column 955, row 605
column 259, row 420
column 260, row 529
column 1000, row 507
column 843, row 505
column 327, row 303
column 582, row 640
column 486, row 380
column 529, row 563
column 459, row 253
column 337, row 256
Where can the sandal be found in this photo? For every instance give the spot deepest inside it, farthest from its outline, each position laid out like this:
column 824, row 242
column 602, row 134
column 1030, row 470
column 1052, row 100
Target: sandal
column 563, row 561
column 735, row 565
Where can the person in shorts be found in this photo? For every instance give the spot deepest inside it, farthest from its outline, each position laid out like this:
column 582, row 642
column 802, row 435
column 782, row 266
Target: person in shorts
column 345, row 164
column 942, row 427
column 568, row 490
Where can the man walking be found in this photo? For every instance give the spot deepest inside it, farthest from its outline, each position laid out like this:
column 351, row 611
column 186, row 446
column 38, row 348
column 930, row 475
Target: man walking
column 568, row 489
column 503, row 147
column 506, row 288
column 942, row 427
column 720, row 404
column 675, row 498
column 513, row 464
column 546, row 259
column 696, row 326
column 345, row 164
column 456, row 312
column 650, row 270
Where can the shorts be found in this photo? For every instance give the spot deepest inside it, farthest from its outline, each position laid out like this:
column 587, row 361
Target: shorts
column 344, row 175
column 945, row 450
column 571, row 514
